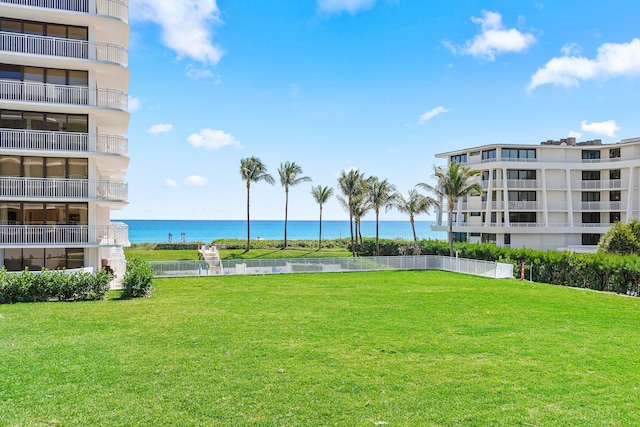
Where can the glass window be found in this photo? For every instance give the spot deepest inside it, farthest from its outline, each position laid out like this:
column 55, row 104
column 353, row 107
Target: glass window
column 614, row 153
column 56, row 167
column 33, row 258
column 489, row 154
column 75, row 258
column 590, row 196
column 522, row 196
column 56, row 213
column 33, row 28
column 10, row 213
column 56, row 77
column 590, row 154
column 77, row 123
column 56, row 30
column 522, row 217
column 10, row 166
column 33, row 121
column 591, row 175
column 33, row 74
column 11, row 26
column 614, row 217
column 78, row 168
column 614, row 174
column 590, row 217
column 79, row 78
column 615, row 196
column 33, row 167
column 10, row 119
column 33, row 213
column 55, row 258
column 10, row 72
column 56, row 122
column 78, row 33
column 78, row 214
column 507, row 239
column 590, row 239
column 13, row 259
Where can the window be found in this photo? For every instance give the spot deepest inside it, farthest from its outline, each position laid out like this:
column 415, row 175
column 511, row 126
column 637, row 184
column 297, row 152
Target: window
column 474, row 153
column 521, row 174
column 591, row 175
column 485, row 175
column 519, row 153
column 614, row 174
column 32, row 120
column 36, row 258
column 590, row 154
column 507, row 239
column 590, row 239
column 614, row 217
column 489, row 154
column 488, row 238
column 44, row 29
column 590, row 196
column 10, row 166
column 460, row 158
column 516, row 217
column 459, row 237
column 614, row 153
column 591, row 217
column 522, row 196
column 475, row 213
column 41, row 75
column 494, row 217
column 615, row 196
column 44, row 167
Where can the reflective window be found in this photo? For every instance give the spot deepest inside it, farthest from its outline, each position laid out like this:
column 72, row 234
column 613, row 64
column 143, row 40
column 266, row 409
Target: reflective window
column 10, row 166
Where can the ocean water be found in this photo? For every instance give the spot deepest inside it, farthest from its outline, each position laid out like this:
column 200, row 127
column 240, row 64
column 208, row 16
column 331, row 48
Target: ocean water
column 157, row 231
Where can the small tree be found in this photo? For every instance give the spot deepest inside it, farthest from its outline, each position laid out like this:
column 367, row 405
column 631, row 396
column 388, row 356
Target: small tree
column 321, row 195
column 414, row 204
column 623, row 239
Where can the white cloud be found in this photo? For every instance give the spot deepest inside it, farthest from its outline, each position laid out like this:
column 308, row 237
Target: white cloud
column 134, row 104
column 170, row 183
column 574, row 134
column 160, row 128
column 213, row 139
column 202, row 73
column 608, row 128
column 494, row 38
column 431, row 114
column 186, row 26
column 195, row 180
column 351, row 6
column 612, row 60
column 571, row 49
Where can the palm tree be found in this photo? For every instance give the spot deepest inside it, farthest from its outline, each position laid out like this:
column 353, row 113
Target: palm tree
column 321, row 195
column 253, row 170
column 454, row 181
column 381, row 194
column 351, row 185
column 289, row 176
column 360, row 207
column 414, row 205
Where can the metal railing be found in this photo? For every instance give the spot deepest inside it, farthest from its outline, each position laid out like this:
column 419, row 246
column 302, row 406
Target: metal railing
column 12, row 90
column 68, row 235
column 67, row 48
column 18, row 139
column 331, row 265
column 599, row 184
column 600, row 206
column 48, row 188
column 113, row 8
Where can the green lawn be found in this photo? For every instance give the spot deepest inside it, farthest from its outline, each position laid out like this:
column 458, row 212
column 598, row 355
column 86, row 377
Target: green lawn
column 162, row 255
column 354, row 349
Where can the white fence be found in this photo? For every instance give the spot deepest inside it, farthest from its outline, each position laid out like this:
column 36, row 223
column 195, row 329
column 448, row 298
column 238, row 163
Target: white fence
column 333, row 265
column 114, row 8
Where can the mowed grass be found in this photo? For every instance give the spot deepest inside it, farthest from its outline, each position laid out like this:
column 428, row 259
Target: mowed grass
column 356, row 349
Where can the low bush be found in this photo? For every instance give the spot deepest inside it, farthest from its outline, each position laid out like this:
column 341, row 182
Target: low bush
column 53, row 285
column 277, row 244
column 138, row 279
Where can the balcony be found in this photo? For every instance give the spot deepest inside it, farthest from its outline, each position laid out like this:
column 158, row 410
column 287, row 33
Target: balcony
column 11, row 90
column 523, row 183
column 115, row 234
column 598, row 184
column 66, row 48
column 600, row 206
column 112, row 8
column 54, row 188
column 524, row 206
column 17, row 139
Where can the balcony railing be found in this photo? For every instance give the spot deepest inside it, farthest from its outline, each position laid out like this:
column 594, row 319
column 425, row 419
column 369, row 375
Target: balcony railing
column 67, row 48
column 115, row 234
column 523, row 183
column 55, row 188
column 12, row 90
column 525, row 206
column 18, row 139
column 598, row 184
column 600, row 206
column 113, row 8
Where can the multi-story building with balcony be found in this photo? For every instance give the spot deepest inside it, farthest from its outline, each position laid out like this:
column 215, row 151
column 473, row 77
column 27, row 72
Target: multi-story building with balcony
column 557, row 195
column 63, row 120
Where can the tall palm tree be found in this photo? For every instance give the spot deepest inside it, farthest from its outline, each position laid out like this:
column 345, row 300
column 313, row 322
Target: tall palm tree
column 253, row 170
column 289, row 177
column 321, row 195
column 360, row 208
column 351, row 185
column 454, row 181
column 414, row 204
column 381, row 194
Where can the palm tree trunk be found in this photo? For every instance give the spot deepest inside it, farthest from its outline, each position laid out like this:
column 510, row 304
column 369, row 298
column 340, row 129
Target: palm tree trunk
column 320, row 236
column 415, row 236
column 248, row 221
column 450, row 228
column 286, row 210
column 377, row 246
column 353, row 247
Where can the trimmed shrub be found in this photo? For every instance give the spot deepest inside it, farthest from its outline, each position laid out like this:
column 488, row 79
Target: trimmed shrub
column 53, row 285
column 138, row 279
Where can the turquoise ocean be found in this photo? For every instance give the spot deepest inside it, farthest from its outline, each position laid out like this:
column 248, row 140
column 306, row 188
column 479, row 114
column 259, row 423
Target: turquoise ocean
column 157, row 231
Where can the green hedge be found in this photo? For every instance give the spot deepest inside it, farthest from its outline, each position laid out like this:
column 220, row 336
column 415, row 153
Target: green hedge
column 277, row 244
column 52, row 285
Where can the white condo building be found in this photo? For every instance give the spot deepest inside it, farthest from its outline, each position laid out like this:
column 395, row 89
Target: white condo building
column 63, row 116
column 556, row 195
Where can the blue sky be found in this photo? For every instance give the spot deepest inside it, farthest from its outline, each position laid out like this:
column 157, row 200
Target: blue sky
column 379, row 85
